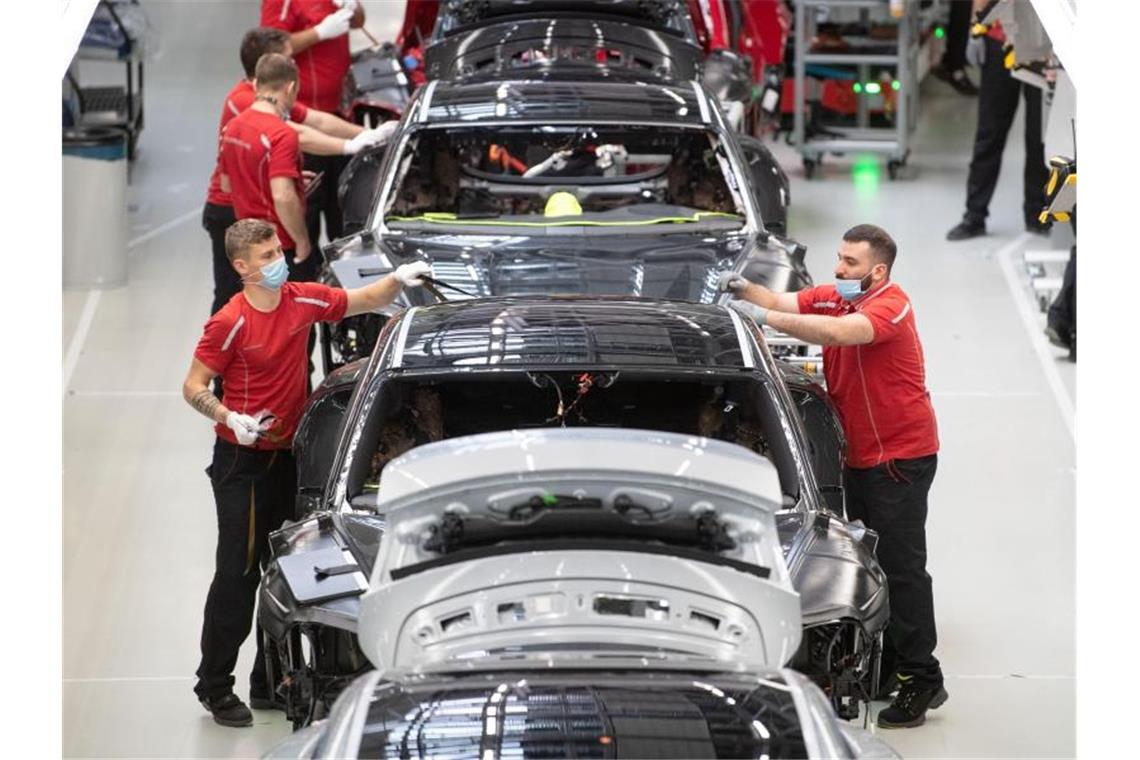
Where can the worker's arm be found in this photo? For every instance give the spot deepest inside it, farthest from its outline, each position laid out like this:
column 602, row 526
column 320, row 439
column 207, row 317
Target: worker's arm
column 331, row 26
column 224, row 182
column 196, row 391
column 384, row 291
column 291, row 213
column 317, row 143
column 741, row 288
column 331, row 125
column 820, row 329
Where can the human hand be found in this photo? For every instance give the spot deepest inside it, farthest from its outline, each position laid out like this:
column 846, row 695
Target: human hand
column 334, row 25
column 732, row 282
column 410, row 274
column 369, row 138
column 245, row 428
column 750, row 310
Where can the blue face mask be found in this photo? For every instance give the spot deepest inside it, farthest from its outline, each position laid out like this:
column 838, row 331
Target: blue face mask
column 274, row 274
column 849, row 290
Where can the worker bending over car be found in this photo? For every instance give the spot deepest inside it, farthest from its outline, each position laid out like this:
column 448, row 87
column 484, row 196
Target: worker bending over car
column 257, row 344
column 873, row 363
column 319, row 133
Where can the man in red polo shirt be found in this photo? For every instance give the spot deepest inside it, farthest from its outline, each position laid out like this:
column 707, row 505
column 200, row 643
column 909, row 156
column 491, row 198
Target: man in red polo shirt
column 257, row 344
column 260, row 162
column 318, row 31
column 319, row 133
column 876, row 375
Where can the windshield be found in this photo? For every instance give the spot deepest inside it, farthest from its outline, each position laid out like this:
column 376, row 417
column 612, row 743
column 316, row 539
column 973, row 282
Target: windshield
column 564, row 176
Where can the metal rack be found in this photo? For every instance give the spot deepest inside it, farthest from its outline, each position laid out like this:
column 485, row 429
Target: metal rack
column 893, row 142
column 112, row 106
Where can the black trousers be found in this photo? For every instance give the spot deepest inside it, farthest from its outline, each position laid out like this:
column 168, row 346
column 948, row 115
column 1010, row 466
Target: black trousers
column 891, row 499
column 254, row 492
column 1063, row 310
column 324, row 201
column 997, row 105
column 216, row 220
column 957, row 34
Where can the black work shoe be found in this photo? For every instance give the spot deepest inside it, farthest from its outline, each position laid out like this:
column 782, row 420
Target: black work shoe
column 1058, row 338
column 910, row 706
column 956, row 79
column 966, row 229
column 1037, row 228
column 228, row 710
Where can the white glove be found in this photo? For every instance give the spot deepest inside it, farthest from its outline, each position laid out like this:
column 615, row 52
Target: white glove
column 333, row 25
column 347, row 4
column 369, row 138
column 410, row 274
column 245, row 428
column 976, row 51
column 731, row 282
column 750, row 310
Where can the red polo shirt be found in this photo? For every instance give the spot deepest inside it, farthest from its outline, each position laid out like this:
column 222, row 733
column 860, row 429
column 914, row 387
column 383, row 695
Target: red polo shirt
column 255, row 148
column 263, row 356
column 879, row 387
column 323, row 66
column 240, row 98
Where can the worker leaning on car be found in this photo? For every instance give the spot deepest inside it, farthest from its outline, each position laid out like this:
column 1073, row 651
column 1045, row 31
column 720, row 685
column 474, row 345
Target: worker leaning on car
column 875, row 371
column 257, row 344
column 318, row 31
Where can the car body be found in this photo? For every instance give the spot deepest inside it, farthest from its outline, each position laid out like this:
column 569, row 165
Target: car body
column 775, row 713
column 669, row 198
column 532, row 363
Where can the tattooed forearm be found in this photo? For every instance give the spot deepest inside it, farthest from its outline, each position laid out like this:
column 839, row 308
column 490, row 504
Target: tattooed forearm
column 205, row 402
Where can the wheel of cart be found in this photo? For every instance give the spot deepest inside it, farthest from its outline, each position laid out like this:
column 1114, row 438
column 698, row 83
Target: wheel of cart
column 894, row 164
column 810, row 164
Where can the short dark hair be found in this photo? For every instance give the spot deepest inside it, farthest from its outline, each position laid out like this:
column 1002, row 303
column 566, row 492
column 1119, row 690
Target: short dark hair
column 257, row 42
column 246, row 232
column 274, row 71
column 882, row 245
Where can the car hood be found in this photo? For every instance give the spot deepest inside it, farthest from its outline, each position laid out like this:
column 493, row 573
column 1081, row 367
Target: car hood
column 680, row 265
column 569, row 558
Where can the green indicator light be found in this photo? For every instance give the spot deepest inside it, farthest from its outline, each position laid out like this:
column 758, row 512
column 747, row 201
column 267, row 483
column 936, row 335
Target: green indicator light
column 895, row 85
column 873, row 88
column 549, row 499
column 858, row 88
column 939, row 32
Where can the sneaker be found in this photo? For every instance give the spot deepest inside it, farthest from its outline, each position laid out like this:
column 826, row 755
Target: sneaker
column 228, row 710
column 910, row 706
column 956, row 79
column 966, row 229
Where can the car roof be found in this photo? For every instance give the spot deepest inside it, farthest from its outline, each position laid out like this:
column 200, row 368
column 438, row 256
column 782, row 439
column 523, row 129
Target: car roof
column 571, row 330
column 558, row 100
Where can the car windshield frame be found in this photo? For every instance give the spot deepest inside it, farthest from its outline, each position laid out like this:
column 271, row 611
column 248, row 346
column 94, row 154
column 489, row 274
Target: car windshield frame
column 400, row 161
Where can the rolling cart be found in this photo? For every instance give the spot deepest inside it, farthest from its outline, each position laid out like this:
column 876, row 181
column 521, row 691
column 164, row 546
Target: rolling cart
column 114, row 34
column 883, row 75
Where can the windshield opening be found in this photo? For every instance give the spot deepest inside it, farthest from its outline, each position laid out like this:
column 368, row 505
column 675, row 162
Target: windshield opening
column 558, row 176
column 414, row 410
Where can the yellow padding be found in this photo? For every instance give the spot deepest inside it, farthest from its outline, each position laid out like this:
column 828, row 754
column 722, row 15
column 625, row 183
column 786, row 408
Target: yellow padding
column 443, row 217
column 1010, row 59
column 1061, row 216
column 1044, row 216
column 979, row 30
column 1052, row 182
column 1071, row 179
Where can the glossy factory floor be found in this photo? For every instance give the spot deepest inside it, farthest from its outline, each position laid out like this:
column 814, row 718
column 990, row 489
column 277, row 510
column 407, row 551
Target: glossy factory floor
column 139, row 520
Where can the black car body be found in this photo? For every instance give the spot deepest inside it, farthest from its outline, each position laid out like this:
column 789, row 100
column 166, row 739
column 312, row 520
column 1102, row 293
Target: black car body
column 682, row 202
column 489, row 365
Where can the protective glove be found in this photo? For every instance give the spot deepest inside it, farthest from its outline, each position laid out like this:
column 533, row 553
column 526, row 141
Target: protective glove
column 245, row 428
column 333, row 25
column 347, row 4
column 750, row 310
column 731, row 282
column 369, row 138
column 976, row 51
column 410, row 274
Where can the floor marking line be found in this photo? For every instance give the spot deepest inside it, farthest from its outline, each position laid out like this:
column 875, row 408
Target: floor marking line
column 164, row 227
column 1015, row 676
column 75, row 347
column 1045, row 356
column 125, row 394
column 987, row 394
